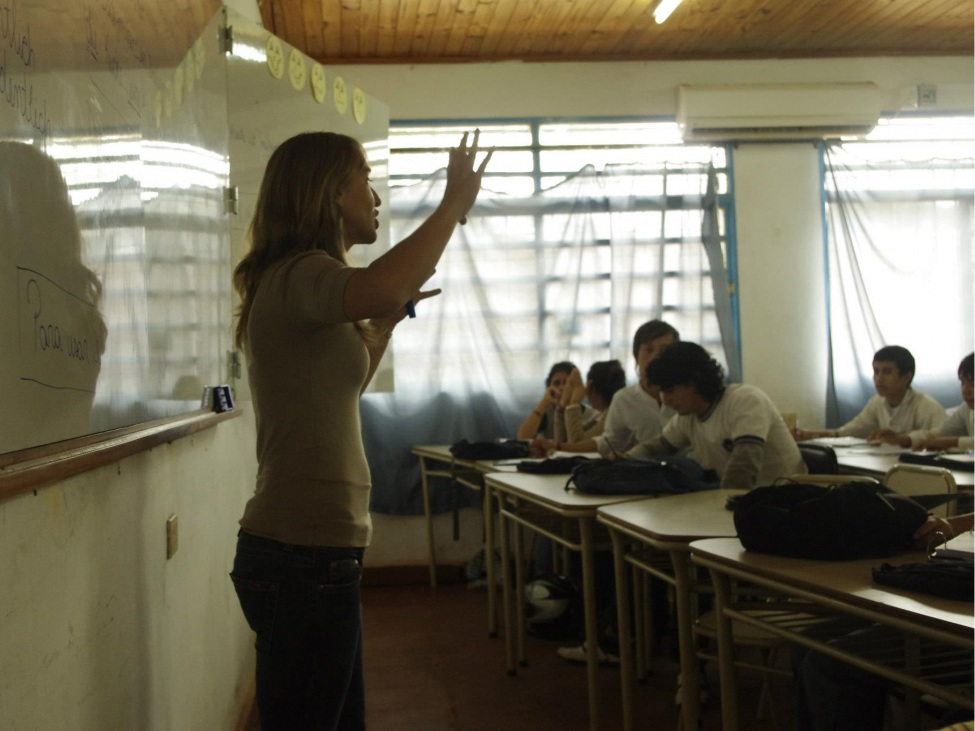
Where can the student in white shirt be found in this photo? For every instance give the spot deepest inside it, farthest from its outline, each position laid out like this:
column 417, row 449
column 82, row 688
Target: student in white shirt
column 734, row 430
column 957, row 431
column 635, row 413
column 896, row 410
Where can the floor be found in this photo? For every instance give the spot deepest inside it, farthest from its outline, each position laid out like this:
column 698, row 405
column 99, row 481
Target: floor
column 431, row 666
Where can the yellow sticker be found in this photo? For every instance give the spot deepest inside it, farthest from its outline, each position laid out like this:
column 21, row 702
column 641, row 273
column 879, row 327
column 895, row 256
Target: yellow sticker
column 318, row 87
column 296, row 69
column 339, row 95
column 359, row 105
column 275, row 57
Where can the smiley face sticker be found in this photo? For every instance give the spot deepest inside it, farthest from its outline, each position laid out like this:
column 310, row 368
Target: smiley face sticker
column 359, row 105
column 339, row 95
column 275, row 57
column 318, row 82
column 296, row 69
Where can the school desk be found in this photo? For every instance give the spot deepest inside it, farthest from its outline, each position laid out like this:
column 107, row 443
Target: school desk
column 834, row 588
column 527, row 501
column 666, row 524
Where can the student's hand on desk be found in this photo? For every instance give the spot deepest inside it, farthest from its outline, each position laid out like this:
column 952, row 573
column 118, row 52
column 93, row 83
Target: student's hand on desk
column 540, row 446
column 929, row 530
column 937, row 443
column 889, row 436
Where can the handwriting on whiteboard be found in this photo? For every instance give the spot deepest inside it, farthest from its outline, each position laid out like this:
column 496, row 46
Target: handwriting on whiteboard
column 61, row 334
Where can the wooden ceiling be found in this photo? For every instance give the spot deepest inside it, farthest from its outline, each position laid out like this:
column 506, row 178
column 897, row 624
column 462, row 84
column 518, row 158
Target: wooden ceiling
column 432, row 31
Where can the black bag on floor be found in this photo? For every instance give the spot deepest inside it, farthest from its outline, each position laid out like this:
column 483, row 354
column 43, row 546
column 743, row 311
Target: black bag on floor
column 506, row 449
column 833, row 523
column 661, row 476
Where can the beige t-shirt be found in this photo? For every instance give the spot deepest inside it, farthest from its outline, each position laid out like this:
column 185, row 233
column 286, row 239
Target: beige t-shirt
column 306, row 365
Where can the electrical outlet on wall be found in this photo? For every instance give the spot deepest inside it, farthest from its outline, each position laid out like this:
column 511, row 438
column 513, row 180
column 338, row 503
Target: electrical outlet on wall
column 172, row 536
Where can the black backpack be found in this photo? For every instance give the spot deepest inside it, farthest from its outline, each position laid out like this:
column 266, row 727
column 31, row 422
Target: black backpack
column 663, row 476
column 832, row 523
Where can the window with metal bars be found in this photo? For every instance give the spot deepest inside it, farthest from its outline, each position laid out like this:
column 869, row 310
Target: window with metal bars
column 583, row 231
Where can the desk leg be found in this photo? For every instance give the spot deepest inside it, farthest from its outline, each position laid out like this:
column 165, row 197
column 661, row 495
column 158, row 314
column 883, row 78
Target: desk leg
column 431, row 550
column 519, row 588
column 492, row 579
column 509, row 638
column 690, row 682
column 625, row 631
column 592, row 629
column 726, row 652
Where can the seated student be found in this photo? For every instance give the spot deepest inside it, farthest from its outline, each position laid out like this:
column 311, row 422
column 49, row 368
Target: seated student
column 734, row 430
column 832, row 695
column 604, row 379
column 541, row 419
column 957, row 431
column 897, row 409
column 635, row 413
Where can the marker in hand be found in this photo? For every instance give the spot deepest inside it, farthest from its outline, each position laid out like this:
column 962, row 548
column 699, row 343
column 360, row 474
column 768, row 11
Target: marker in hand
column 410, row 308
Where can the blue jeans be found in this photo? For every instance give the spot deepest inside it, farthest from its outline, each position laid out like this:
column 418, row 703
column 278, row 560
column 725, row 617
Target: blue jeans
column 303, row 603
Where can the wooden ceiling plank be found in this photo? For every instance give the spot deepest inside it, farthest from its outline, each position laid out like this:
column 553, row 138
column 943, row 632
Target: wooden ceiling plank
column 609, row 30
column 331, row 29
column 562, row 20
column 351, row 30
column 431, row 30
column 480, row 29
column 379, row 28
column 446, row 12
column 426, row 17
column 311, row 18
column 405, row 28
column 460, row 27
column 496, row 24
column 915, row 22
column 510, row 21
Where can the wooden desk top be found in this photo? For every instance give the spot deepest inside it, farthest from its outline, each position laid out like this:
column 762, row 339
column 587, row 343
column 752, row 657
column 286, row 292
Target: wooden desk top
column 549, row 492
column 847, row 582
column 674, row 518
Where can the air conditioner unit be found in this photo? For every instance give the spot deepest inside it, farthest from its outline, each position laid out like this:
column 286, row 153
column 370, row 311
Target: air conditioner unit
column 777, row 111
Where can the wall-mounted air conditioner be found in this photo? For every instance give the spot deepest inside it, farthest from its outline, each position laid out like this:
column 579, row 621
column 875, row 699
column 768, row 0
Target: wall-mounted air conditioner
column 777, row 111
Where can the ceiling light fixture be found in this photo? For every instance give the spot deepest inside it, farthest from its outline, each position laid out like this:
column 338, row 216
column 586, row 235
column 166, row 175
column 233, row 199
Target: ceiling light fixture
column 664, row 9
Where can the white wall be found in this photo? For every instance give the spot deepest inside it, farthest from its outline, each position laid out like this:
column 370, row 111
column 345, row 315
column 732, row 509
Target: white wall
column 98, row 630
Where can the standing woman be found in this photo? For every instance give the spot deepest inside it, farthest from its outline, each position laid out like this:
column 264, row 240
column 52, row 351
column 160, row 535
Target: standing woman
column 314, row 329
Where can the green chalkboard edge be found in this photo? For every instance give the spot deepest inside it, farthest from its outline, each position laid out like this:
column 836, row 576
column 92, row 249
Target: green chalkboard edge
column 30, row 469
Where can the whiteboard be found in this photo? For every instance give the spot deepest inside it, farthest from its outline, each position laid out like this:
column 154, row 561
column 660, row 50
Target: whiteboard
column 119, row 130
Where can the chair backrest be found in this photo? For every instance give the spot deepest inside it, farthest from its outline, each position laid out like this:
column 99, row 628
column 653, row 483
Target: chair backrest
column 820, row 459
column 916, row 480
